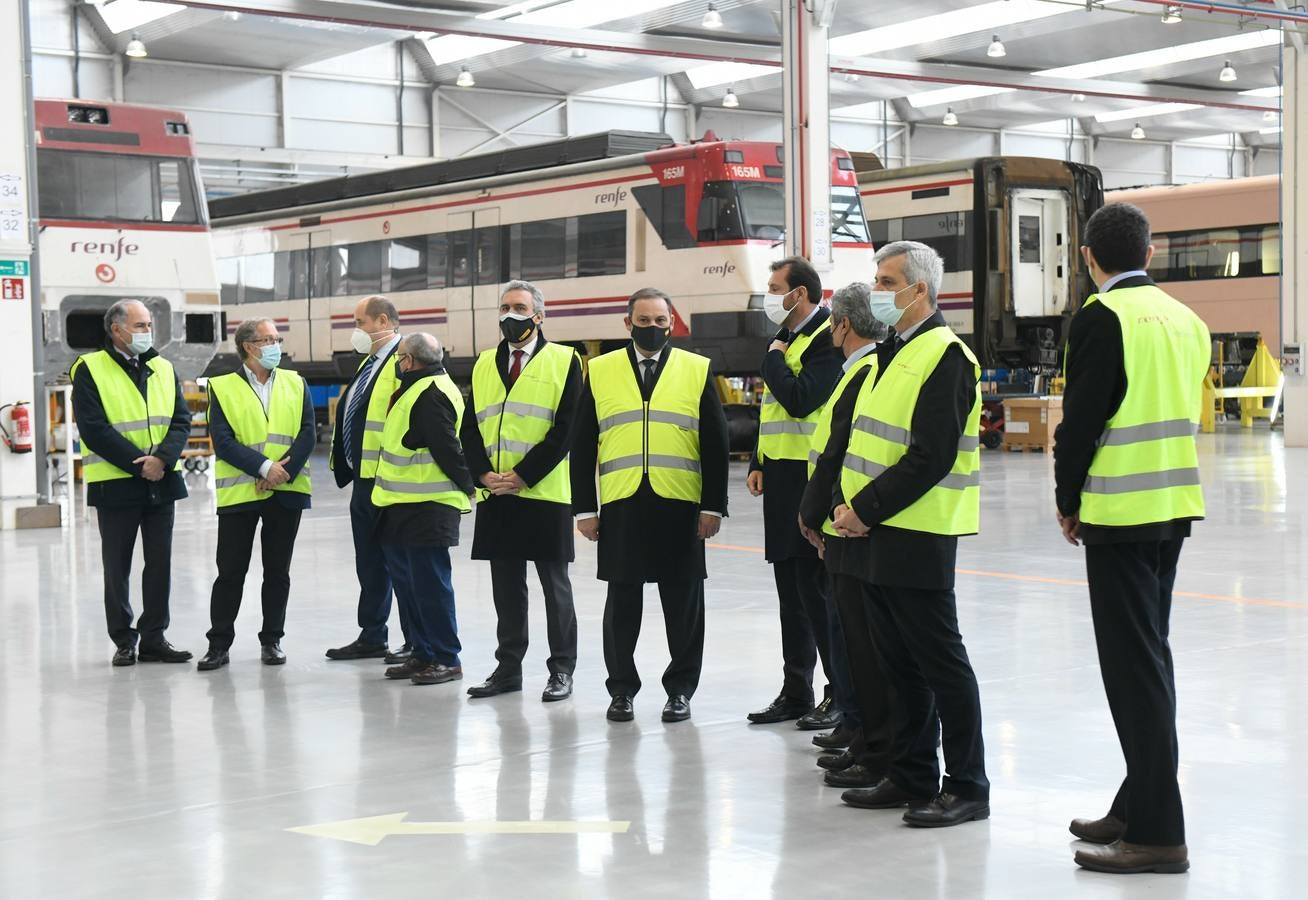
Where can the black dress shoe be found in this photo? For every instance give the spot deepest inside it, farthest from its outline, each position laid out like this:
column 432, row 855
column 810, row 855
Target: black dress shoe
column 884, row 795
column 216, row 658
column 944, row 810
column 837, row 762
column 559, row 687
column 1098, row 831
column 782, row 709
column 855, row 776
column 163, row 652
column 272, row 654
column 406, row 669
column 125, row 656
column 819, row 718
column 1123, row 858
column 436, row 673
column 358, row 650
column 620, row 709
column 496, row 684
column 677, row 709
column 396, row 657
column 842, row 737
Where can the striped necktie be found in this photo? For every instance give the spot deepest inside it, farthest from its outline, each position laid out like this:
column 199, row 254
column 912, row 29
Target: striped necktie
column 357, row 393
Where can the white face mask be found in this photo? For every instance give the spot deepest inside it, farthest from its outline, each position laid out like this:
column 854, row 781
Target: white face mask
column 141, row 342
column 774, row 307
column 361, row 340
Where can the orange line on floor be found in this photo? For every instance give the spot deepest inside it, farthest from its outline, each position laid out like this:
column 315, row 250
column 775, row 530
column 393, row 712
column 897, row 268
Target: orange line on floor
column 1072, row 582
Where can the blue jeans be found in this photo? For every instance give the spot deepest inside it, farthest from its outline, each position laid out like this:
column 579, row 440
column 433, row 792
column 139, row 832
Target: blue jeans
column 422, row 584
column 372, row 567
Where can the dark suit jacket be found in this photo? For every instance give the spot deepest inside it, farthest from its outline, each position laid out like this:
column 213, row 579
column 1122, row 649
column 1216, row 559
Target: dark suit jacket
column 502, row 522
column 227, row 448
column 344, row 473
column 799, row 395
column 98, row 436
column 647, row 537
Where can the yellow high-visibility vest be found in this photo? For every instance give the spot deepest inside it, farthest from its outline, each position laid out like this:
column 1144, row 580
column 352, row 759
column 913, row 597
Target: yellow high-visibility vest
column 659, row 438
column 823, row 433
column 412, row 476
column 143, row 421
column 271, row 434
column 512, row 422
column 780, row 435
column 1146, row 469
column 384, row 385
column 881, row 433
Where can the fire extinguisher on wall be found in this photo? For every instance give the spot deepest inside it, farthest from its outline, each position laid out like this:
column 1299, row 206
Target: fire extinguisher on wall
column 20, row 441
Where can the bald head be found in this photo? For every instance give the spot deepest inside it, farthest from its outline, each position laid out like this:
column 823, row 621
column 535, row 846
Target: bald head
column 418, row 351
column 125, row 318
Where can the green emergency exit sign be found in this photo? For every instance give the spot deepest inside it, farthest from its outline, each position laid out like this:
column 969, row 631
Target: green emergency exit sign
column 14, row 267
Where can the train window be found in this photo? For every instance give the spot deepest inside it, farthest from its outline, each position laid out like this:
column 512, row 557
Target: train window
column 949, row 233
column 764, row 209
column 602, row 244
column 847, row 223
column 257, row 278
column 719, row 213
column 734, row 156
column 1028, row 239
column 1246, row 252
column 408, row 263
column 116, row 187
column 544, row 247
column 363, row 268
column 1270, row 249
column 176, row 192
column 199, row 328
column 324, row 272
column 438, row 260
column 487, row 246
column 460, row 259
column 665, row 207
column 878, row 232
column 290, row 274
column 229, row 279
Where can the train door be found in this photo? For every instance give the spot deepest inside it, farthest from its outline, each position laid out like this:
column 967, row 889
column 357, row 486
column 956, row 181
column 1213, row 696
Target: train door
column 317, row 327
column 1041, row 269
column 473, row 295
column 291, row 291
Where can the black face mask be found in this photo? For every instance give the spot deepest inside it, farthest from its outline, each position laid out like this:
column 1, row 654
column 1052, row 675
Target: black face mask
column 515, row 330
column 650, row 338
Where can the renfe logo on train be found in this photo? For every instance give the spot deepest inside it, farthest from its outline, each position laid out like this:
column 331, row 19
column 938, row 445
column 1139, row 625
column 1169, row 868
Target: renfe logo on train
column 722, row 269
column 613, row 198
column 114, row 251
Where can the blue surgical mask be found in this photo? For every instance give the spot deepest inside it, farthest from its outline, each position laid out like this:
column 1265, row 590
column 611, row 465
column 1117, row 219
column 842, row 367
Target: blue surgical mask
column 883, row 306
column 270, row 356
column 141, row 341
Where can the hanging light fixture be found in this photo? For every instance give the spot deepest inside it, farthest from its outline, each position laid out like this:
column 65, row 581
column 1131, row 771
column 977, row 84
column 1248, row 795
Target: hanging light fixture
column 996, row 48
column 1172, row 14
column 1137, row 133
column 1227, row 73
column 731, row 101
column 136, row 49
column 578, row 52
column 1270, row 115
column 465, row 78
column 950, row 118
column 712, row 18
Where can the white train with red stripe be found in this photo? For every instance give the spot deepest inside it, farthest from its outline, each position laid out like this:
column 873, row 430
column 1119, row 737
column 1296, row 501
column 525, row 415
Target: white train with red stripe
column 588, row 219
column 122, row 215
column 1009, row 229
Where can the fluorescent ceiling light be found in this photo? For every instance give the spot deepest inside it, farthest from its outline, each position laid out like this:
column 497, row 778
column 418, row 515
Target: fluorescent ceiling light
column 982, row 17
column 727, row 73
column 1166, row 56
column 128, row 15
column 1273, row 91
column 1144, row 112
column 957, row 94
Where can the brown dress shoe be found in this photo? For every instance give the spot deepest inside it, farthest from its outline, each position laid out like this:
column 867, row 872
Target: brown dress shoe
column 406, row 669
column 1122, row 858
column 1098, row 831
column 435, row 673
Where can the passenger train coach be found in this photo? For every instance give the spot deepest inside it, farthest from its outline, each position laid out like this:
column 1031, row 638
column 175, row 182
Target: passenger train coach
column 1009, row 230
column 588, row 219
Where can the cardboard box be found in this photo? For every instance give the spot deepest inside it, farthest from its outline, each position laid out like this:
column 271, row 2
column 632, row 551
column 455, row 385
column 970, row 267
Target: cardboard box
column 1030, row 421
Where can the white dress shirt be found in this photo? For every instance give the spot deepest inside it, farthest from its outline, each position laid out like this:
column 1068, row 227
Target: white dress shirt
column 264, row 393
column 527, row 351
column 858, row 354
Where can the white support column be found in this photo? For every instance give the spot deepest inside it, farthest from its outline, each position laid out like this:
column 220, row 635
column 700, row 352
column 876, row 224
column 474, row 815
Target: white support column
column 1294, row 252
column 806, row 129
column 283, row 110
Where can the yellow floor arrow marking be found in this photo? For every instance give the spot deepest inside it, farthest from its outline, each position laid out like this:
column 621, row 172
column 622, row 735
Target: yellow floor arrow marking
column 374, row 829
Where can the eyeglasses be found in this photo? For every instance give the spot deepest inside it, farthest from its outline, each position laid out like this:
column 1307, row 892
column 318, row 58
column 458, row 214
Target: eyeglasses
column 267, row 341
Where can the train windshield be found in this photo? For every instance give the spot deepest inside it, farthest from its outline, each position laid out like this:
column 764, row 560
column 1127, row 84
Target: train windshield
column 110, row 187
column 732, row 210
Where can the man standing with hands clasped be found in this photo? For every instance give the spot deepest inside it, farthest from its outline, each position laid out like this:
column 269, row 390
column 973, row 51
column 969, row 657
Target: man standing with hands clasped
column 1126, row 475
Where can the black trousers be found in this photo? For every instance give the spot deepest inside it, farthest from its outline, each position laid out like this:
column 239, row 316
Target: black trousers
column 1131, row 603
column 235, row 546
column 509, row 588
column 802, row 589
column 118, row 528
column 370, row 566
column 683, row 614
column 916, row 635
column 871, row 686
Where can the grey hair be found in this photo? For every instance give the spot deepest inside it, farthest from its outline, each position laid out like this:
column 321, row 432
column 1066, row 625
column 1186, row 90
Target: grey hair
column 649, row 293
column 537, row 298
column 921, row 263
column 424, row 348
column 376, row 306
column 245, row 332
column 853, row 304
column 117, row 314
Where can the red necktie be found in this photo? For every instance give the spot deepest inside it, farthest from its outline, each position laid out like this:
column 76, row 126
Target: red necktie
column 516, row 369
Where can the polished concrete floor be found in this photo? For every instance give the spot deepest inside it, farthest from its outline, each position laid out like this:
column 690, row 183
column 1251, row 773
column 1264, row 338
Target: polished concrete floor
column 161, row 782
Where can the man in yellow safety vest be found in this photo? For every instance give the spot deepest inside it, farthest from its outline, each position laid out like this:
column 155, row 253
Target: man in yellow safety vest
column 261, row 421
column 1126, row 475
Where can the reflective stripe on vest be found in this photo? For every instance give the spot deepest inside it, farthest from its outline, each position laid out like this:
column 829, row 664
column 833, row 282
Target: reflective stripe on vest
column 823, row 432
column 659, row 438
column 143, row 421
column 780, row 435
column 1146, row 467
column 881, row 434
column 412, row 476
column 513, row 422
column 270, row 434
column 384, row 385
